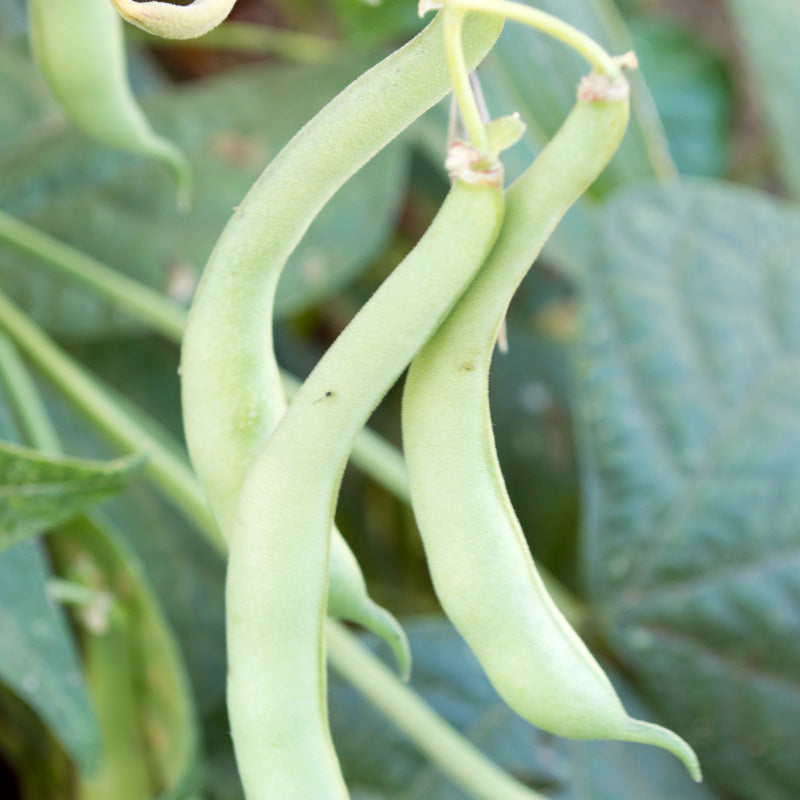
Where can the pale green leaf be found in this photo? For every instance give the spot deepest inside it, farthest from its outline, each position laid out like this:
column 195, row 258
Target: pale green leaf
column 38, row 661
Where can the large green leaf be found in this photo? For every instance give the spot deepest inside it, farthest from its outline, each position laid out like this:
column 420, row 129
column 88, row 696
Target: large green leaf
column 689, row 405
column 39, row 491
column 37, row 655
column 38, row 659
column 770, row 30
column 531, row 420
column 121, row 209
column 692, row 91
column 380, row 764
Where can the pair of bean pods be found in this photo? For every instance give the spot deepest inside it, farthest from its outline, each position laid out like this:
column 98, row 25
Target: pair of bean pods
column 272, row 474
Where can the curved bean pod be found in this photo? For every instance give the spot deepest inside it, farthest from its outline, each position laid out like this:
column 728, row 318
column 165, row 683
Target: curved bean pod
column 173, row 21
column 479, row 560
column 79, row 48
column 231, row 389
column 278, row 564
column 348, row 599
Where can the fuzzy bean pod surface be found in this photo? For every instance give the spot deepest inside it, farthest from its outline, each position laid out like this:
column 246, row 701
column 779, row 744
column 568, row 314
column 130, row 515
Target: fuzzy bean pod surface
column 277, row 570
column 479, row 560
column 79, row 48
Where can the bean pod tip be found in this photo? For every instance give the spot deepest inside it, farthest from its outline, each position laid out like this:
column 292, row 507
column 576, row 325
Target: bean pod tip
column 649, row 733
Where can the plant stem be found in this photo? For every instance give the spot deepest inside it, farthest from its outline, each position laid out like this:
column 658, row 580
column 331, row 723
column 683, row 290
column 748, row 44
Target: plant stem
column 383, row 462
column 168, row 471
column 375, row 456
column 459, row 76
column 25, row 399
column 65, row 591
column 449, row 750
column 596, row 55
column 142, row 303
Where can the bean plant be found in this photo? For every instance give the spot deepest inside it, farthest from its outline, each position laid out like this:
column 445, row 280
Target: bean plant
column 562, row 252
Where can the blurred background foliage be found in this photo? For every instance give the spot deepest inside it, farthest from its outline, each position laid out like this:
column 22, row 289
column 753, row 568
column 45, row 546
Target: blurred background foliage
column 646, row 415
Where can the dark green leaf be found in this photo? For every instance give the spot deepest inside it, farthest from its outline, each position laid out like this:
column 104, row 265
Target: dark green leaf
column 770, row 30
column 37, row 656
column 693, row 93
column 380, row 764
column 38, row 659
column 689, row 379
column 531, row 421
column 38, row 492
column 121, row 209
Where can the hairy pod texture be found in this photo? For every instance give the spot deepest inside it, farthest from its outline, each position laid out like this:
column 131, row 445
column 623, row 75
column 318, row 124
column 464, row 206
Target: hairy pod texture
column 479, row 560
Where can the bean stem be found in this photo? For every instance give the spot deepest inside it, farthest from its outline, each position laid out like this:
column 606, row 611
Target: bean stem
column 18, row 384
column 596, row 55
column 142, row 303
column 459, row 76
column 167, row 470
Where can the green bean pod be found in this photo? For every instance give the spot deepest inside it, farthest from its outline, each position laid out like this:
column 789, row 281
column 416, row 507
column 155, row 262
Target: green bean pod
column 348, row 599
column 174, row 21
column 479, row 560
column 278, row 564
column 231, row 388
column 79, row 48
